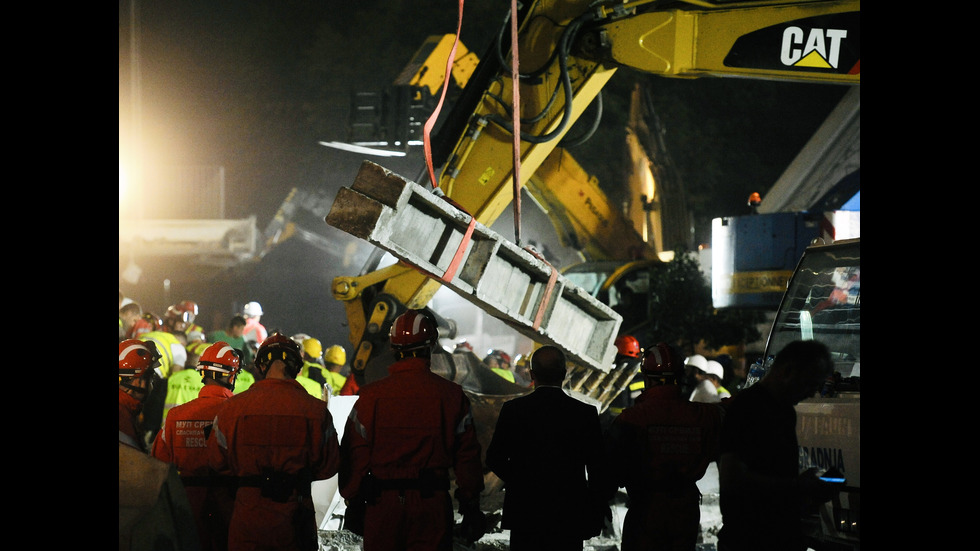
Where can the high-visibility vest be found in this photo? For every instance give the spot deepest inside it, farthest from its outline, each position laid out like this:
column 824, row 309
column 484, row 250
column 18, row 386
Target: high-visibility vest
column 336, row 381
column 197, row 348
column 164, row 343
column 311, row 386
column 243, row 381
column 318, row 371
column 505, row 373
column 182, row 387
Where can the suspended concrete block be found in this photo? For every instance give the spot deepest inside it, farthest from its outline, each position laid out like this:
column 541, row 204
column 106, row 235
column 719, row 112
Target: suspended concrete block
column 448, row 244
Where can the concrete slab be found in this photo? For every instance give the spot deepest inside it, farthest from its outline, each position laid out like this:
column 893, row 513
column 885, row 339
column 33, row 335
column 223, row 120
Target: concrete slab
column 511, row 283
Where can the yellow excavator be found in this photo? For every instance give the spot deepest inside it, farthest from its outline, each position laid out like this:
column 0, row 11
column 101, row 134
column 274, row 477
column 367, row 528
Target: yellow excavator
column 568, row 50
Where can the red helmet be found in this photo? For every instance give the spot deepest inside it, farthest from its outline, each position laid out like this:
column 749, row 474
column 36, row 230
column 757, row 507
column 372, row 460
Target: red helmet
column 220, row 357
column 663, row 361
column 137, row 358
column 413, row 329
column 188, row 306
column 279, row 347
column 146, row 323
column 627, row 345
column 499, row 355
column 185, row 311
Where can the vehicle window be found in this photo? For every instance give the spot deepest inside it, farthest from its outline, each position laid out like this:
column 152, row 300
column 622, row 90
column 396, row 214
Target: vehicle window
column 823, row 302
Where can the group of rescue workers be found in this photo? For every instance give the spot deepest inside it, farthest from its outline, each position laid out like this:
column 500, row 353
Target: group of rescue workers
column 246, row 460
column 247, row 463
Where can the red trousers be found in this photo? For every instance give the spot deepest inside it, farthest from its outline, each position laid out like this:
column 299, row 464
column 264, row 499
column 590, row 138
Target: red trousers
column 406, row 521
column 663, row 521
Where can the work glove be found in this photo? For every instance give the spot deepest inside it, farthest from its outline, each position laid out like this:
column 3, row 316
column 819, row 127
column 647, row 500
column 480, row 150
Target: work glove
column 474, row 523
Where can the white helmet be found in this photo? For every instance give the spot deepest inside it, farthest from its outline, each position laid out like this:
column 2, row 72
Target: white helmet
column 298, row 338
column 697, row 361
column 714, row 368
column 252, row 309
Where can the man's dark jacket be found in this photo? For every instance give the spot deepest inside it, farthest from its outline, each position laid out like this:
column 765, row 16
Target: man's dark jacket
column 542, row 447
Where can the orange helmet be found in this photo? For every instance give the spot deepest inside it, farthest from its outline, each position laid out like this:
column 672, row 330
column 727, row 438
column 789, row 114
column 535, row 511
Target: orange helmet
column 627, row 345
column 137, row 358
column 663, row 361
column 412, row 330
column 220, row 357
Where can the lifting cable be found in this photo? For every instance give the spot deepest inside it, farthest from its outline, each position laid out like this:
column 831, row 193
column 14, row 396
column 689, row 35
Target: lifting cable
column 431, row 121
column 427, row 145
column 516, row 120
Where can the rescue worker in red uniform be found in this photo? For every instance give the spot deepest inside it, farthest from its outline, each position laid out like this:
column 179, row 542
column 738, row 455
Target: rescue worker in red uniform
column 183, row 442
column 404, row 434
column 276, row 439
column 629, row 356
column 663, row 444
column 137, row 359
column 254, row 330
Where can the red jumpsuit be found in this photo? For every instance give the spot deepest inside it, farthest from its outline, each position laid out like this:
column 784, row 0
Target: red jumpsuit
column 276, row 439
column 663, row 444
column 408, row 430
column 129, row 413
column 183, row 442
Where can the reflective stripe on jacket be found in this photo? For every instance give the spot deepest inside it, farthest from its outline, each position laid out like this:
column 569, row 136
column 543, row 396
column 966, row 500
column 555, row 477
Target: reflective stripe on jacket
column 165, row 343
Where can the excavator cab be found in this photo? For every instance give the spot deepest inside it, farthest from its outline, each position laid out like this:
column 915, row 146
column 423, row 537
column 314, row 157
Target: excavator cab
column 625, row 287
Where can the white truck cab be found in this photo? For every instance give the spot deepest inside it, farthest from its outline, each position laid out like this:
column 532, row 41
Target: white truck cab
column 823, row 302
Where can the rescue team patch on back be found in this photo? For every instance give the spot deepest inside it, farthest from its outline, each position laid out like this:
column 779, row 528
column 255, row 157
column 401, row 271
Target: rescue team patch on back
column 391, row 414
column 825, row 42
column 273, row 430
column 191, row 434
column 674, row 442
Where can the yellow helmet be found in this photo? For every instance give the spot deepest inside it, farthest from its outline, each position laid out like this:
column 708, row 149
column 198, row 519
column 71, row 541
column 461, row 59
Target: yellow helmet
column 312, row 347
column 335, row 355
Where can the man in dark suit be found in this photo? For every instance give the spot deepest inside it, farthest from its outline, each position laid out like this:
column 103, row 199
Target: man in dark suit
column 542, row 447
